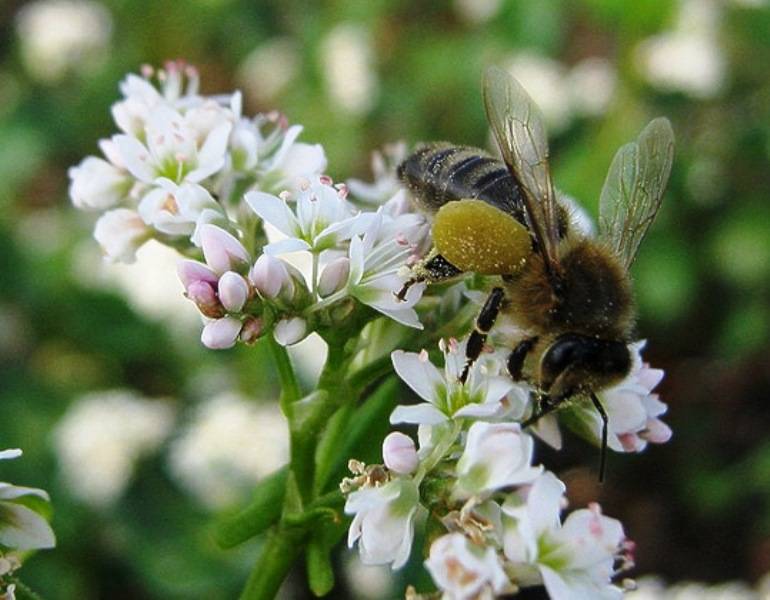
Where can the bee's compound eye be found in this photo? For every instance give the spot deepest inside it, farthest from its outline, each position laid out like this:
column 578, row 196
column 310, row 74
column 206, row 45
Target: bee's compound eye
column 475, row 236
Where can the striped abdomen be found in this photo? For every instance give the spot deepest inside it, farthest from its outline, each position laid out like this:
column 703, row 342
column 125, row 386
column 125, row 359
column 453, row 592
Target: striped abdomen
column 442, row 172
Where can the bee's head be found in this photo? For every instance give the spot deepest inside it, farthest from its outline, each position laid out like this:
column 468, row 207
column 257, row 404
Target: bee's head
column 574, row 363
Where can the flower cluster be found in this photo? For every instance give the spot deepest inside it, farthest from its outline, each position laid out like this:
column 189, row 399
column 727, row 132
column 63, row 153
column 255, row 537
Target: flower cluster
column 193, row 173
column 473, row 477
column 22, row 527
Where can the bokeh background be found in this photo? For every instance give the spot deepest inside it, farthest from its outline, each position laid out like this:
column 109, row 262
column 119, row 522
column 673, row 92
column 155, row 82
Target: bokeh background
column 143, row 437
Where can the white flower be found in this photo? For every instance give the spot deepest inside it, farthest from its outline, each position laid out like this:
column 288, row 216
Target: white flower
column 574, row 560
column 120, row 233
column 346, row 58
column 269, row 68
column 546, row 82
column 321, row 220
column 59, row 36
column 496, row 455
column 222, row 251
column 591, row 83
column 483, row 395
column 386, row 183
column 176, row 209
column 101, row 437
column 290, row 331
column 632, row 409
column 463, row 570
column 174, row 148
column 21, row 528
column 96, row 184
column 375, row 262
column 230, row 444
column 221, row 334
column 383, row 524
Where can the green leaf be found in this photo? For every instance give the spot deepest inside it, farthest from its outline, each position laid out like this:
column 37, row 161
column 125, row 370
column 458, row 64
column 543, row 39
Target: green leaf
column 320, row 574
column 264, row 511
column 327, row 451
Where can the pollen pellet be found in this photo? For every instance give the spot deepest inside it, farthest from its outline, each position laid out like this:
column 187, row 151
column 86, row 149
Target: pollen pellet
column 475, row 236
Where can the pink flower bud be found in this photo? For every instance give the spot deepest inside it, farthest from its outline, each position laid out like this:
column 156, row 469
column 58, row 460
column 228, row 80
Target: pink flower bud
column 399, row 453
column 252, row 330
column 221, row 334
column 205, row 298
column 290, row 331
column 269, row 275
column 222, row 251
column 233, row 291
column 334, row 276
column 190, row 271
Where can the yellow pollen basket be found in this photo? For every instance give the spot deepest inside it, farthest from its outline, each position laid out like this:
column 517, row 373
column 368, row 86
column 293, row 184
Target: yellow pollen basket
column 475, row 236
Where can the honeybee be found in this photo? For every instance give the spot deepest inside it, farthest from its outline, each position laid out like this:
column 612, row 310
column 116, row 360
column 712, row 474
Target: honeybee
column 571, row 294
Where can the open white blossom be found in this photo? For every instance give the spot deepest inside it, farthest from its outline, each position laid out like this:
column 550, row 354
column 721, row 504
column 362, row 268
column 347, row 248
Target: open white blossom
column 231, row 443
column 484, row 395
column 121, row 232
column 102, row 436
column 176, row 209
column 386, row 183
column 21, row 528
column 464, row 570
column 383, row 522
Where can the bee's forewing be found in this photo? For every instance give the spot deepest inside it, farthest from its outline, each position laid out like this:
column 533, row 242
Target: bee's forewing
column 634, row 188
column 518, row 127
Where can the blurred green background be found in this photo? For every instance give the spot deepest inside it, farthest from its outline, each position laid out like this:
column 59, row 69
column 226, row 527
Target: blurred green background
column 358, row 75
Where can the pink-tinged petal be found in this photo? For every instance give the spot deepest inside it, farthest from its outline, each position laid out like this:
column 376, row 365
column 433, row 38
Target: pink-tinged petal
column 654, row 406
column 657, row 432
column 269, row 275
column 419, row 374
column 649, row 378
column 252, row 330
column 135, row 157
column 286, row 246
column 273, row 210
column 625, row 411
column 334, row 276
column 233, row 291
column 190, row 271
column 221, row 334
column 222, row 251
column 399, row 453
column 417, row 414
column 631, row 442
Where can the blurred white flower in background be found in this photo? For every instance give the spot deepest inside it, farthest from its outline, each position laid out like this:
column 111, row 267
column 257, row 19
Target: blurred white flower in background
column 60, row 36
column 652, row 588
column 591, row 84
column 475, row 12
column 102, row 436
column 231, row 443
column 347, row 63
column 268, row 69
column 545, row 81
column 370, row 582
column 688, row 58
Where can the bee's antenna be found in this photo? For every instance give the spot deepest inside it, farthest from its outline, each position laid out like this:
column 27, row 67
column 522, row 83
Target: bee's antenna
column 605, row 421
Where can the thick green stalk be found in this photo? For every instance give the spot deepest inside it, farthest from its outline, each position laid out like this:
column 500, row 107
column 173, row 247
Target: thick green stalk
column 282, row 547
column 290, row 390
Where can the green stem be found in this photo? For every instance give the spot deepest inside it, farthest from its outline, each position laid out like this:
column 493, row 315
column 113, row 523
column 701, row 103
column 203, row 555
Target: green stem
column 329, row 300
column 438, row 452
column 370, row 373
column 290, row 390
column 282, row 547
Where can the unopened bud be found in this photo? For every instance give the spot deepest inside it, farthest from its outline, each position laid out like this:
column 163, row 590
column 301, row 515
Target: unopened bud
column 269, row 275
column 190, row 271
column 334, row 276
column 233, row 291
column 221, row 334
column 205, row 298
column 251, row 330
column 399, row 453
column 222, row 251
column 290, row 331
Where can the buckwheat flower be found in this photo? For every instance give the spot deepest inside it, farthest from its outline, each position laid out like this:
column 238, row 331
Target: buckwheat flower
column 632, row 409
column 464, row 570
column 574, row 559
column 399, row 453
column 176, row 209
column 484, row 395
column 270, row 276
column 120, row 233
column 383, row 522
column 173, row 148
column 375, row 272
column 100, row 439
column 222, row 251
column 201, row 286
column 233, row 291
column 334, row 276
column 496, row 455
column 386, row 183
column 221, row 334
column 96, row 184
column 321, row 219
column 290, row 331
column 21, row 528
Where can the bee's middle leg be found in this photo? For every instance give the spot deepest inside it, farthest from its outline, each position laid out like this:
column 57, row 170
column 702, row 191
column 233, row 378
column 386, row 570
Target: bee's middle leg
column 434, row 268
column 484, row 323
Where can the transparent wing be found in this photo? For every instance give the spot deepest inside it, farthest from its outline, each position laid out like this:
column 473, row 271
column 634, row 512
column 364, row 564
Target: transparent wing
column 634, row 188
column 518, row 127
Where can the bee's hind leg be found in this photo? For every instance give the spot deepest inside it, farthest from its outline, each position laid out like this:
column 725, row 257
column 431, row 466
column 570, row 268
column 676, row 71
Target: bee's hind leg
column 484, row 323
column 434, row 268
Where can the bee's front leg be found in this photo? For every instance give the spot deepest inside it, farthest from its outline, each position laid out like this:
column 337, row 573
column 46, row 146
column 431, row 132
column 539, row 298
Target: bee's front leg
column 484, row 323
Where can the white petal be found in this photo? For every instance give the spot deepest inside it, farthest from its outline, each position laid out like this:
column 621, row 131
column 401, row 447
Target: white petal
column 419, row 374
column 135, row 156
column 9, row 492
column 11, row 453
column 273, row 210
column 23, row 529
column 417, row 414
column 285, row 246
